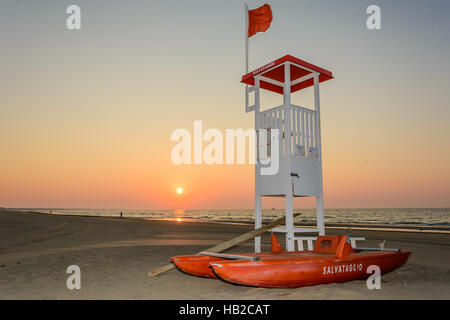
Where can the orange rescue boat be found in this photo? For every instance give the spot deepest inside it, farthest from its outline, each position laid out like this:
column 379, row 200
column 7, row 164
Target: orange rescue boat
column 332, row 260
column 199, row 265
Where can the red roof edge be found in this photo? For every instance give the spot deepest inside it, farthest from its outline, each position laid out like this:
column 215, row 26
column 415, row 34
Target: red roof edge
column 245, row 78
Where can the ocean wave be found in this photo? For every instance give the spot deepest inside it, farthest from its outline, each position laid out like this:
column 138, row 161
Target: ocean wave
column 420, row 217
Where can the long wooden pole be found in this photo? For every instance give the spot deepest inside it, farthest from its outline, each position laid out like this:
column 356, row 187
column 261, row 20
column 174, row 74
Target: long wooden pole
column 229, row 244
column 246, row 38
column 246, row 54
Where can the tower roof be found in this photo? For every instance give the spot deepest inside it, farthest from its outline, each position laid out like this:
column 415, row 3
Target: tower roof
column 273, row 74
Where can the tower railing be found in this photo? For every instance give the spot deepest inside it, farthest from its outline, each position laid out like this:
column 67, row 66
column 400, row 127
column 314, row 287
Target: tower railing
column 303, row 138
column 302, row 141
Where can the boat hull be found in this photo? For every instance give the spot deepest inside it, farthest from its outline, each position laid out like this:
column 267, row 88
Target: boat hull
column 196, row 265
column 199, row 265
column 306, row 271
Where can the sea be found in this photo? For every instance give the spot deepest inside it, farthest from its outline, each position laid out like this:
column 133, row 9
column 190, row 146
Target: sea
column 435, row 218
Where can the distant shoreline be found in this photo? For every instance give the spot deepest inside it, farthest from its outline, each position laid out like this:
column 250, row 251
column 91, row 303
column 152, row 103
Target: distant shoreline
column 331, row 226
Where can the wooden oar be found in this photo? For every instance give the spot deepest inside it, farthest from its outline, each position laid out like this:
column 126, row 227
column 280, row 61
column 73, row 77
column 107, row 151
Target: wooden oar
column 229, row 256
column 230, row 243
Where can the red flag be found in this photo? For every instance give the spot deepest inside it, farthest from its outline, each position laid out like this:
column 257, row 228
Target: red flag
column 259, row 19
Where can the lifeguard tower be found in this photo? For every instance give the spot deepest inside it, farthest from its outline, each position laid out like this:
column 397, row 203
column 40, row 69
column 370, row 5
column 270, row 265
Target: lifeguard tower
column 299, row 139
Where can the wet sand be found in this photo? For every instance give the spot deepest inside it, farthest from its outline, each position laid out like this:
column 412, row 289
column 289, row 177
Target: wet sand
column 115, row 256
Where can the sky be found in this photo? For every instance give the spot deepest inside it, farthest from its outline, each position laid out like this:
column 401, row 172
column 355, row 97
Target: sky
column 86, row 115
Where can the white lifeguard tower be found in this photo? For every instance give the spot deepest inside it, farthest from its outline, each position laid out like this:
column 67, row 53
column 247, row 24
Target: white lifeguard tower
column 299, row 141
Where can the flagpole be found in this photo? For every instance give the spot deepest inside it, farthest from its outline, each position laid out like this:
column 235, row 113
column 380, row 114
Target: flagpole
column 257, row 196
column 246, row 54
column 246, row 38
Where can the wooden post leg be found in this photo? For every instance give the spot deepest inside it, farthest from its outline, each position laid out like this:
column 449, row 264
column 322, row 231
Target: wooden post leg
column 320, row 215
column 319, row 199
column 258, row 222
column 290, row 245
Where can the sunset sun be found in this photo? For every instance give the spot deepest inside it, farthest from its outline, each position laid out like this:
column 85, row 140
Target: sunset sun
column 179, row 190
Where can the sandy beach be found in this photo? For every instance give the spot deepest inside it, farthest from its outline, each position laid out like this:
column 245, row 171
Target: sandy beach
column 115, row 256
